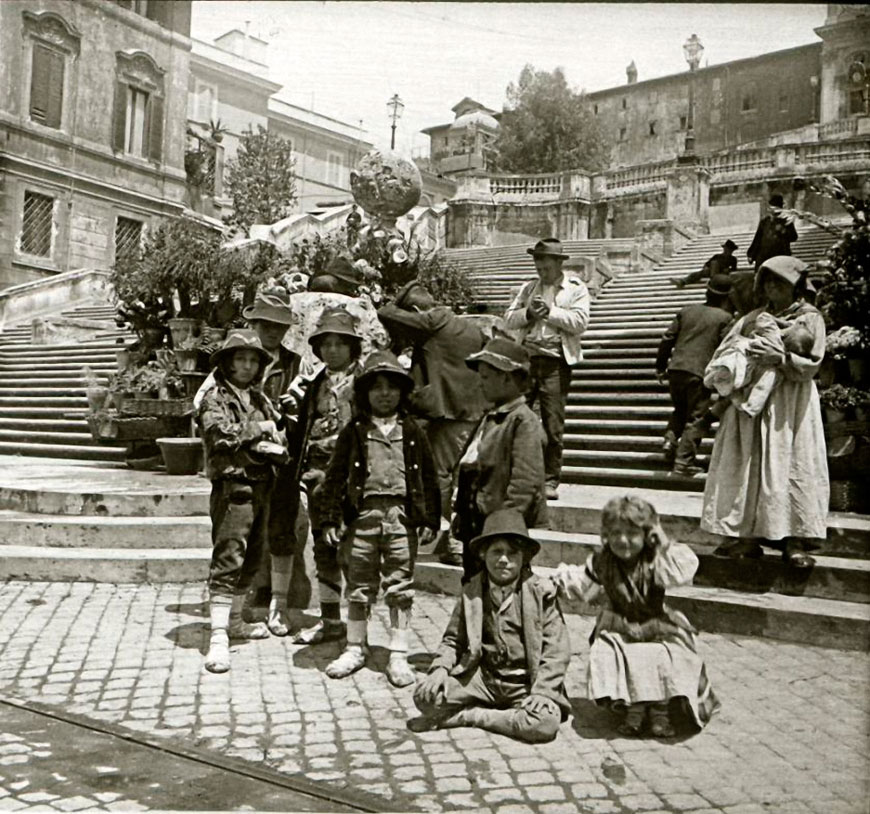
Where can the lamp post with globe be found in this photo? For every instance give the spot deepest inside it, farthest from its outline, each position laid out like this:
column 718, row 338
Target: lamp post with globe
column 692, row 50
column 395, row 106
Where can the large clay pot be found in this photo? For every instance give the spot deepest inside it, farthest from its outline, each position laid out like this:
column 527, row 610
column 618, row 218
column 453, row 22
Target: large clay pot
column 182, row 456
column 186, row 360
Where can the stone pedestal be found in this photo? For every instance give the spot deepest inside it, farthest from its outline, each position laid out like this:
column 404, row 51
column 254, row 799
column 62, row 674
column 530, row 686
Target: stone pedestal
column 688, row 197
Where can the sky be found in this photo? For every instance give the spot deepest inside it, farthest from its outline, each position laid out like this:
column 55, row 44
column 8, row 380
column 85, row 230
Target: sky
column 346, row 59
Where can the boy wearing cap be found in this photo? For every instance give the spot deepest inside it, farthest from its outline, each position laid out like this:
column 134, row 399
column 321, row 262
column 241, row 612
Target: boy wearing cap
column 548, row 316
column 722, row 263
column 317, row 406
column 502, row 465
column 502, row 660
column 234, row 419
column 683, row 353
column 446, row 394
column 381, row 487
column 270, row 317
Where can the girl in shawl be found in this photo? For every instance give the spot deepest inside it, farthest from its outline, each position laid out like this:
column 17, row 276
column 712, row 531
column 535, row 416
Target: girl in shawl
column 768, row 478
column 643, row 660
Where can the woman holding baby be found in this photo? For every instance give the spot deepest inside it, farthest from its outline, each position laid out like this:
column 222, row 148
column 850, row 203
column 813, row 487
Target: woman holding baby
column 768, row 480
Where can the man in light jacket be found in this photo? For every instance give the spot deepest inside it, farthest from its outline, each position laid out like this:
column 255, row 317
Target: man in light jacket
column 548, row 317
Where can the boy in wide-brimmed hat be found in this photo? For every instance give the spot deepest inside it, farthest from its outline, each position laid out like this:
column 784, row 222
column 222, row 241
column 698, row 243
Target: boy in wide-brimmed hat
column 502, row 465
column 235, row 418
column 548, row 316
column 502, row 660
column 318, row 405
column 683, row 353
column 723, row 262
column 379, row 496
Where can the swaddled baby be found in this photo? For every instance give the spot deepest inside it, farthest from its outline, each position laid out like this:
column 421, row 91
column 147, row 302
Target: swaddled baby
column 734, row 370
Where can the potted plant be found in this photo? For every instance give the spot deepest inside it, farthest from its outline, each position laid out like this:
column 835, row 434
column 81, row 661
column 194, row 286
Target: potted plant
column 837, row 399
column 187, row 354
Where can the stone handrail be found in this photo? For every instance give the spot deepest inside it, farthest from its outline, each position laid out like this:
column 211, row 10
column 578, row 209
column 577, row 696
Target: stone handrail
column 630, row 179
column 833, row 153
column 39, row 297
column 525, row 185
column 741, row 160
column 838, row 128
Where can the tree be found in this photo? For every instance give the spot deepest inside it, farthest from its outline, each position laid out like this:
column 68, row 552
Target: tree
column 261, row 180
column 548, row 127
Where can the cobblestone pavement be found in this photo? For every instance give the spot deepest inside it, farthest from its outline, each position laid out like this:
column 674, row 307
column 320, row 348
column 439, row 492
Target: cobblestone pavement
column 792, row 737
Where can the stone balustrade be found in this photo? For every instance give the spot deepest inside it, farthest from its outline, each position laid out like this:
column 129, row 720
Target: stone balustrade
column 633, row 180
column 526, row 186
column 841, row 128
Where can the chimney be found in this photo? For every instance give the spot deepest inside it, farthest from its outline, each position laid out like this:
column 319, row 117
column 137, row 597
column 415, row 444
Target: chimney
column 631, row 73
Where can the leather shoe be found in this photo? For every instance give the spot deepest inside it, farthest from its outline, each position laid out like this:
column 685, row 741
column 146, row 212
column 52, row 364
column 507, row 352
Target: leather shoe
column 687, row 470
column 552, row 491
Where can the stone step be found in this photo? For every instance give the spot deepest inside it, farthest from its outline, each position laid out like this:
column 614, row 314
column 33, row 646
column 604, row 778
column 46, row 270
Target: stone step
column 43, row 424
column 625, row 385
column 599, row 411
column 29, row 411
column 631, row 477
column 634, row 443
column 113, row 565
column 43, row 379
column 56, row 368
column 63, row 402
column 578, row 455
column 79, row 436
column 108, row 532
column 604, row 426
column 89, row 453
column 40, row 390
column 620, row 397
column 803, row 619
column 585, row 372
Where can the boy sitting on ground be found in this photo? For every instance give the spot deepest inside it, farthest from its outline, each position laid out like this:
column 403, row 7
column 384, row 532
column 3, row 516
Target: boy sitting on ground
column 502, row 661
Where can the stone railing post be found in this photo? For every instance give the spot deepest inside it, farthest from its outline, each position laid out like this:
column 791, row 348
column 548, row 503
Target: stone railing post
column 688, row 197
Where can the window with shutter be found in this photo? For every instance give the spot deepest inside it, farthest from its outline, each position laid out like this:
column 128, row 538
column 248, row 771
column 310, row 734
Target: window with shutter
column 135, row 133
column 46, row 86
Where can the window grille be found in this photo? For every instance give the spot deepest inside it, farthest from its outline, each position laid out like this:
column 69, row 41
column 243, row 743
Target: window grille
column 128, row 237
column 36, row 224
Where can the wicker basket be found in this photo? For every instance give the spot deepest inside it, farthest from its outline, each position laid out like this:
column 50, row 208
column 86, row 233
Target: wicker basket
column 156, row 407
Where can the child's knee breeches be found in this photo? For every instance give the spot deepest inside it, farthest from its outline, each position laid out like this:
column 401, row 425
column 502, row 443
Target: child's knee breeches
column 379, row 550
column 239, row 516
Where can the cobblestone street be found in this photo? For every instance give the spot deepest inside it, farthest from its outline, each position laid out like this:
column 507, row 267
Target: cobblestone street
column 792, row 736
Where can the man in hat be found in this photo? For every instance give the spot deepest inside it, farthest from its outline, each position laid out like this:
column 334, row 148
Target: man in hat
column 446, row 393
column 684, row 351
column 549, row 315
column 723, row 262
column 774, row 235
column 502, row 660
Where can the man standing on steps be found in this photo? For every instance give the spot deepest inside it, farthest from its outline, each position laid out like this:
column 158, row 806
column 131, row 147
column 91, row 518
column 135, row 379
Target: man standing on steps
column 684, row 351
column 723, row 262
column 447, row 393
column 774, row 235
column 548, row 317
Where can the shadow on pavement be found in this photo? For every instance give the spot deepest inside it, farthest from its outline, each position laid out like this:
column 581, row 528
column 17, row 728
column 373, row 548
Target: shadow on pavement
column 189, row 608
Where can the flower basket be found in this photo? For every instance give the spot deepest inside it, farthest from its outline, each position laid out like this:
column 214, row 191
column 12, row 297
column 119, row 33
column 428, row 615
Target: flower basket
column 108, row 427
column 192, row 381
column 156, row 407
column 182, row 456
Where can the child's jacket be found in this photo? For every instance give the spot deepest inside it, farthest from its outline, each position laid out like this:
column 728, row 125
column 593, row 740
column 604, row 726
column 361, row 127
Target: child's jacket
column 341, row 493
column 545, row 636
column 228, row 429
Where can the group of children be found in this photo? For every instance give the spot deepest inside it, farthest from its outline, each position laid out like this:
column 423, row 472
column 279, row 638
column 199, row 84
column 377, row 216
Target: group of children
column 344, row 433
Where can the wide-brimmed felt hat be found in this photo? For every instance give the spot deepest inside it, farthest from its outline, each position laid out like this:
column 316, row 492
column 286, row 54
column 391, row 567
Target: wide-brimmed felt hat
column 784, row 266
column 382, row 362
column 335, row 321
column 719, row 284
column 271, row 306
column 343, row 269
column 503, row 354
column 405, row 292
column 729, row 244
column 505, row 523
column 548, row 247
column 239, row 339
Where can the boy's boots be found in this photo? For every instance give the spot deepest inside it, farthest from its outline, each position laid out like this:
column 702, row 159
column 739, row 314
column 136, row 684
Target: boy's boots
column 217, row 659
column 277, row 621
column 354, row 656
column 399, row 672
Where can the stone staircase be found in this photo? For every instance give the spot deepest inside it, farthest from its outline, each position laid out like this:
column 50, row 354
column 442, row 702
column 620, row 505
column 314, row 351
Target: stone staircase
column 617, row 411
column 42, row 393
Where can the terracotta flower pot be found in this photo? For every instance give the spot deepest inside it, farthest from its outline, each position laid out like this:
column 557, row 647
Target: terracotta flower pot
column 182, row 328
column 182, row 456
column 186, row 360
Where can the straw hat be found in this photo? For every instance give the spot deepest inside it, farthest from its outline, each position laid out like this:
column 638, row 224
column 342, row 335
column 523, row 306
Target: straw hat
column 239, row 339
column 503, row 354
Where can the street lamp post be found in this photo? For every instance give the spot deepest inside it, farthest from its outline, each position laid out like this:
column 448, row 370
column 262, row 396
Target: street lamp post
column 692, row 50
column 395, row 106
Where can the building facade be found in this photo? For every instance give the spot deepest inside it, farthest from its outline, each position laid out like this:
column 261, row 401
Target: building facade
column 92, row 102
